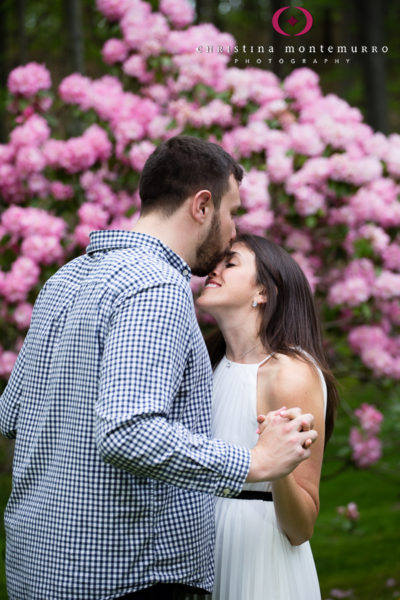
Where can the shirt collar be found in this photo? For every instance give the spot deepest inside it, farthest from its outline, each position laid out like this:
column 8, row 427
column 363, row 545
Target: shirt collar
column 118, row 239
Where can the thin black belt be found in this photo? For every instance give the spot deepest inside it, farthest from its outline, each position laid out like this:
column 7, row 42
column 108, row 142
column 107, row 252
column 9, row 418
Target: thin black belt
column 250, row 495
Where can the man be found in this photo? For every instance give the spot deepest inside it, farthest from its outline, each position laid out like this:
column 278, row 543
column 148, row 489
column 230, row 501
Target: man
column 109, row 402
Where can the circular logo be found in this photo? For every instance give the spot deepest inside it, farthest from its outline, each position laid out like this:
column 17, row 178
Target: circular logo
column 292, row 21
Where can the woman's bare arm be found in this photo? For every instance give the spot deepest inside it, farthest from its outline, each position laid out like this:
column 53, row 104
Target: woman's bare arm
column 292, row 382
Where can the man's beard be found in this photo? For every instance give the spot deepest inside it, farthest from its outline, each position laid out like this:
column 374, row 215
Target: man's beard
column 209, row 253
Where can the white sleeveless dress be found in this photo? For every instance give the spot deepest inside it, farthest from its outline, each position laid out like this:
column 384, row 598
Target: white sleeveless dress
column 254, row 560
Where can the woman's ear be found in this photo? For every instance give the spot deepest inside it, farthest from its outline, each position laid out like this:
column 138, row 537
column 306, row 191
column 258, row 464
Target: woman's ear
column 262, row 297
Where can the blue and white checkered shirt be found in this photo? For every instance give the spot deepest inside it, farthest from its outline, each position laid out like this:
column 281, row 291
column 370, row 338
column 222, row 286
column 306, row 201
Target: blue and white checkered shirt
column 109, row 402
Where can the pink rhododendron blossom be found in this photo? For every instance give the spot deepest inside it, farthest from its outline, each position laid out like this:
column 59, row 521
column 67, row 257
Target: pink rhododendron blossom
column 305, row 140
column 367, row 336
column 32, row 221
column 29, row 79
column 215, row 113
column 302, row 85
column 390, row 309
column 299, row 241
column 362, row 267
column 93, row 215
column 101, row 193
column 351, row 291
column 6, row 153
column 243, row 141
column 98, row 137
column 10, row 184
column 37, row 185
column 113, row 9
column 366, row 450
column 43, row 249
column 279, row 166
column 30, row 160
column 23, row 276
column 7, row 362
column 378, row 351
column 391, row 257
column 257, row 85
column 114, row 51
column 179, row 12
column 315, row 172
column 61, row 191
column 79, row 153
column 158, row 128
column 391, row 155
column 33, row 132
column 370, row 418
column 257, row 221
column 139, row 153
column 81, row 234
column 308, row 201
column 350, row 512
column 254, row 190
column 22, row 315
column 143, row 30
column 387, row 285
column 76, row 89
column 379, row 238
column 135, row 66
column 356, row 172
column 159, row 94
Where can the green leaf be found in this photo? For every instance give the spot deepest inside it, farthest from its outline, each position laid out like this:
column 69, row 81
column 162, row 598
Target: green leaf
column 311, row 221
column 363, row 248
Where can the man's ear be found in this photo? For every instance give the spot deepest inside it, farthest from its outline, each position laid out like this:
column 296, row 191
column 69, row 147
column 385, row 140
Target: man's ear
column 201, row 206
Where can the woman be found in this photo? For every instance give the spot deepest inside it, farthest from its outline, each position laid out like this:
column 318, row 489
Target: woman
column 268, row 353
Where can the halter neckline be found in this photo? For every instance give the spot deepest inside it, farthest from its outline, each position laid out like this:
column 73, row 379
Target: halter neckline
column 232, row 362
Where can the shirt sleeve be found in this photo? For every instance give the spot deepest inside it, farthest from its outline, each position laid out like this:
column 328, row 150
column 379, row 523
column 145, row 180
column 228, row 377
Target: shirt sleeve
column 10, row 401
column 143, row 363
column 11, row 397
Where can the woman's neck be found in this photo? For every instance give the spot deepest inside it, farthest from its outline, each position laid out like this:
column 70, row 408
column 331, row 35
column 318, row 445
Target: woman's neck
column 242, row 341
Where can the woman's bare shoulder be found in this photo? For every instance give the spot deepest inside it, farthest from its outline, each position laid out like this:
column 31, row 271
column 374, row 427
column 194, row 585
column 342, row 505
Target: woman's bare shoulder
column 289, row 377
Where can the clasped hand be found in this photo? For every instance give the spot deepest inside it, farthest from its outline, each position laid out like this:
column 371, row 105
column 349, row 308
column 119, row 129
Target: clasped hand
column 306, row 421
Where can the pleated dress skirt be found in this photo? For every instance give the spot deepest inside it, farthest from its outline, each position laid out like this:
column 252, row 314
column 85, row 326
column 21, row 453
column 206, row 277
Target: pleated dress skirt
column 254, row 559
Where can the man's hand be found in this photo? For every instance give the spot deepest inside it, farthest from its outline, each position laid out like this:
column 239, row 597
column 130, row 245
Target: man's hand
column 285, row 439
column 288, row 413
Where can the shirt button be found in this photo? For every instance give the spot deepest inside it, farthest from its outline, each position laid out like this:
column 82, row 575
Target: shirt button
column 226, row 491
column 185, row 272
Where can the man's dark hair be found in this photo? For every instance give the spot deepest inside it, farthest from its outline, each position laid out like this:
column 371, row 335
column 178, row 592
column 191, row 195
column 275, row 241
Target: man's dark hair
column 182, row 166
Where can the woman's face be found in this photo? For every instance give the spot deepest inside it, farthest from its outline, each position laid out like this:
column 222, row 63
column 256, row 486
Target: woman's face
column 232, row 284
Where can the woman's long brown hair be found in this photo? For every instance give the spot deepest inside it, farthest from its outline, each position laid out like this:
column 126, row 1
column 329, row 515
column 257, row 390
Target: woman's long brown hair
column 289, row 321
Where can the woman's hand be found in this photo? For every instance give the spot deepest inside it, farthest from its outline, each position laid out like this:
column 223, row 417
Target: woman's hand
column 306, row 424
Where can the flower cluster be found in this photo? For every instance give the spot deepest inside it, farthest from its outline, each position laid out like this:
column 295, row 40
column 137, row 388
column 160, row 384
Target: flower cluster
column 350, row 511
column 28, row 80
column 347, row 520
column 366, row 446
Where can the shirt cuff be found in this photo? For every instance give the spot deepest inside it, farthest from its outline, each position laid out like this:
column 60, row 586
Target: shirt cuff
column 236, row 468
